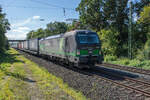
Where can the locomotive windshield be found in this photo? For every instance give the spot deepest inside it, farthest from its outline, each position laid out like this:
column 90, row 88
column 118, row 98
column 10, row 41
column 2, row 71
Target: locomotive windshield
column 88, row 38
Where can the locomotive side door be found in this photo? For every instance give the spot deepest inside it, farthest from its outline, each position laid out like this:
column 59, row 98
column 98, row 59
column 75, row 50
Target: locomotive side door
column 67, row 47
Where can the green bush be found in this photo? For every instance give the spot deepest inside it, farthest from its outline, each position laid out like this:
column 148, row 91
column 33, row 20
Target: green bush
column 147, row 49
column 144, row 53
column 108, row 58
column 145, row 64
column 135, row 63
column 125, row 61
column 140, row 55
column 109, row 41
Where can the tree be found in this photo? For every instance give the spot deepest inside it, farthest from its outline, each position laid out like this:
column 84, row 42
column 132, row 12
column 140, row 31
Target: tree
column 138, row 6
column 116, row 15
column 30, row 34
column 106, row 14
column 145, row 20
column 91, row 13
column 144, row 23
column 52, row 28
column 100, row 14
column 77, row 25
column 4, row 26
column 39, row 33
column 109, row 41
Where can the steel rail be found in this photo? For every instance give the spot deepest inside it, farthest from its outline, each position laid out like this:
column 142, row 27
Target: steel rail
column 127, row 79
column 126, row 68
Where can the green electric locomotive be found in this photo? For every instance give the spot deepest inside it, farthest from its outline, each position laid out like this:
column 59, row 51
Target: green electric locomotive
column 80, row 48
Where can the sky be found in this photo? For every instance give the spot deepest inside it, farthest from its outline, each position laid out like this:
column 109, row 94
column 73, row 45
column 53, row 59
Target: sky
column 25, row 15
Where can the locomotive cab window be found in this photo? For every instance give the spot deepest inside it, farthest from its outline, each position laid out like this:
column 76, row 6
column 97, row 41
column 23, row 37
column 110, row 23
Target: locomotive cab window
column 88, row 38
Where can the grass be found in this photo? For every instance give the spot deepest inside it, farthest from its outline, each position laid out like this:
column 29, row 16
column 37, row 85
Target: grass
column 10, row 73
column 45, row 79
column 15, row 70
column 145, row 64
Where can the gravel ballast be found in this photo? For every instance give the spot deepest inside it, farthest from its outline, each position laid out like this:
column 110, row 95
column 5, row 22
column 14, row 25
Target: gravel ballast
column 92, row 86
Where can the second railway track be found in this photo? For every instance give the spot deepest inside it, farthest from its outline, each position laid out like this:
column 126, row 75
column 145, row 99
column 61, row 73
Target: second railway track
column 134, row 85
column 126, row 68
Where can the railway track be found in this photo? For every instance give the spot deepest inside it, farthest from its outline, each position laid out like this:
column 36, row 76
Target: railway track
column 132, row 85
column 126, row 68
column 126, row 86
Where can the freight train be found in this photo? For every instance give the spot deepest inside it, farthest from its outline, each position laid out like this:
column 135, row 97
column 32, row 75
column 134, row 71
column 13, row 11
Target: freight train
column 78, row 48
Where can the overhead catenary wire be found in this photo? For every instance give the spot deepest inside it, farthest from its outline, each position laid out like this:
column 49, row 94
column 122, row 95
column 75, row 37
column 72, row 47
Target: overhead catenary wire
column 28, row 7
column 46, row 8
column 49, row 6
column 56, row 6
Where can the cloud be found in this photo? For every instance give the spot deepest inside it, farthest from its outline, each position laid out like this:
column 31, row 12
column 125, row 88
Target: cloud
column 24, row 28
column 18, row 33
column 36, row 17
column 16, row 36
column 25, row 22
column 22, row 23
column 21, row 29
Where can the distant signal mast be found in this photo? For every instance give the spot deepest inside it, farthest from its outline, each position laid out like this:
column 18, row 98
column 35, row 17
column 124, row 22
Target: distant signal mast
column 70, row 20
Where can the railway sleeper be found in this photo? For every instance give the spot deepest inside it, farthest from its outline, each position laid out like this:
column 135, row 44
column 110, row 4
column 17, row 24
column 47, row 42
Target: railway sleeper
column 139, row 86
column 146, row 89
column 131, row 84
column 139, row 95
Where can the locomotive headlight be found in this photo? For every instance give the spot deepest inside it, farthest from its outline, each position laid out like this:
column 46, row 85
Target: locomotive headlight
column 78, row 52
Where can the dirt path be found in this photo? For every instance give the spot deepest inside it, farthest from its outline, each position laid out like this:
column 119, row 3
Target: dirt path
column 34, row 92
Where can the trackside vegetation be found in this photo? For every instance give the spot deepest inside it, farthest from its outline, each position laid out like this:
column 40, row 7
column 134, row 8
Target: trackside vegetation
column 21, row 79
column 4, row 26
column 144, row 64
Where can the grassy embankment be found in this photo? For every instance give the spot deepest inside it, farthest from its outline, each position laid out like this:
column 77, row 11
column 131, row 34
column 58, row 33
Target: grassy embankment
column 145, row 64
column 21, row 79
